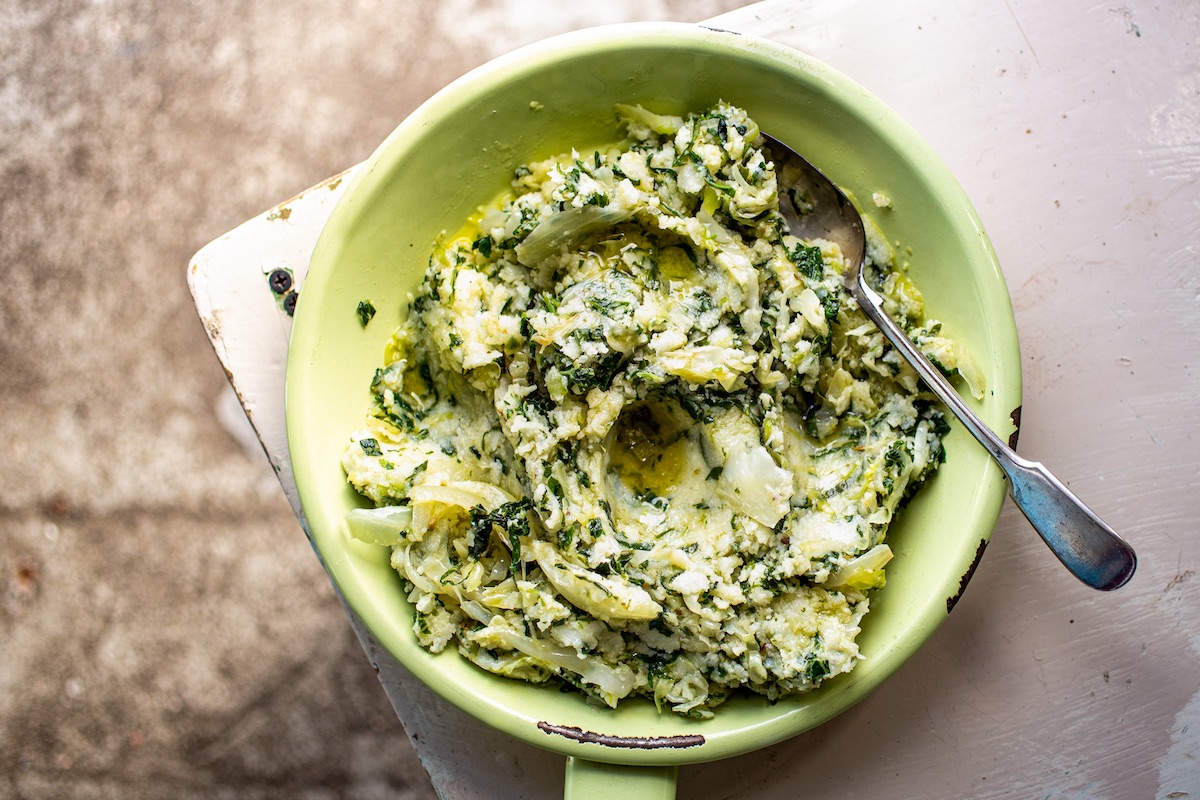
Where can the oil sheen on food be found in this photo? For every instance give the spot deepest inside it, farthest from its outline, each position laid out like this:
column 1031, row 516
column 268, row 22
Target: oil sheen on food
column 635, row 438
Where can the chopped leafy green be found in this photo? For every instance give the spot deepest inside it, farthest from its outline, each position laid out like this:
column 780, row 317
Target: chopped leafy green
column 366, row 311
column 513, row 521
column 808, row 260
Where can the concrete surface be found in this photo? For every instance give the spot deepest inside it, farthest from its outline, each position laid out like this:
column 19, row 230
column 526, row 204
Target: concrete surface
column 164, row 628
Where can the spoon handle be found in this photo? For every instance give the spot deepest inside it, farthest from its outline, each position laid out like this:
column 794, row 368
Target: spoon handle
column 1086, row 546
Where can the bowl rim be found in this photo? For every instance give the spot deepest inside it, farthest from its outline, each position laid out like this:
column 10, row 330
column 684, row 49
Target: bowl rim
column 499, row 713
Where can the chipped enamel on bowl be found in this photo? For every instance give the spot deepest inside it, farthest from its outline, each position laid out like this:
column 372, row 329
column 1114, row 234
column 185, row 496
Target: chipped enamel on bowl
column 458, row 151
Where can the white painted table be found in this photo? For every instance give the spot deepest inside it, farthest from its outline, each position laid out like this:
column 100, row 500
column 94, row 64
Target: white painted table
column 1075, row 129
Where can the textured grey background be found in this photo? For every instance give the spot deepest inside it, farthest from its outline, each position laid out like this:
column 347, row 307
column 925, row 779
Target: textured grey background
column 165, row 630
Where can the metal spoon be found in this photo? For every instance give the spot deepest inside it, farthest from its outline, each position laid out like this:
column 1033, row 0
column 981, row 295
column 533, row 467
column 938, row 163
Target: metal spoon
column 1088, row 547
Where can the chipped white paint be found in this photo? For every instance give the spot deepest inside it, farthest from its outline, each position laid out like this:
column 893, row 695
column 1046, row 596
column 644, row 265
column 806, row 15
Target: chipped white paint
column 245, row 319
column 1075, row 129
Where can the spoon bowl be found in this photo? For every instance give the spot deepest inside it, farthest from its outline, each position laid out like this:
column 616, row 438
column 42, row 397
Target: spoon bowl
column 815, row 208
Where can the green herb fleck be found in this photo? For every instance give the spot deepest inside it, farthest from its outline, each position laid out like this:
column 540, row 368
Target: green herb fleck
column 808, row 260
column 366, row 312
column 512, row 518
column 484, row 245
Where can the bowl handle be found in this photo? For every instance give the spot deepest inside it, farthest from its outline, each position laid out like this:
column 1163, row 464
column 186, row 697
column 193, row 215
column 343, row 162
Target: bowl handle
column 593, row 780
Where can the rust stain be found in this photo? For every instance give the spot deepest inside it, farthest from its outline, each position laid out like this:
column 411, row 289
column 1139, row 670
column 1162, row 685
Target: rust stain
column 58, row 507
column 1015, row 416
column 26, row 578
column 332, row 182
column 213, row 326
column 951, row 602
column 627, row 742
column 284, row 209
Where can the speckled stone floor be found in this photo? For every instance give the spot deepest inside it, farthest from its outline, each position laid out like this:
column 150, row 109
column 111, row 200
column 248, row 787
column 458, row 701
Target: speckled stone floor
column 165, row 630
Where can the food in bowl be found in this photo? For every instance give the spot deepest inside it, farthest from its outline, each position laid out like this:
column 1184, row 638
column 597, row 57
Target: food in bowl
column 636, row 437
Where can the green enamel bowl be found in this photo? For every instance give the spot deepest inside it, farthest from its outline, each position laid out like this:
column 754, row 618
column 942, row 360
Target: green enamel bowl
column 458, row 151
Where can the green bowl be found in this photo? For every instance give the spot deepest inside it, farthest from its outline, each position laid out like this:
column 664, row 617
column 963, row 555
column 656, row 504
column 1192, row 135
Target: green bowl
column 458, row 151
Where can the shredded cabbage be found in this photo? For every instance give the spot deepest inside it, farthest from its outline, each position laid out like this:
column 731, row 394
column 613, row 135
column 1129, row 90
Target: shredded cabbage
column 636, row 437
column 385, row 525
